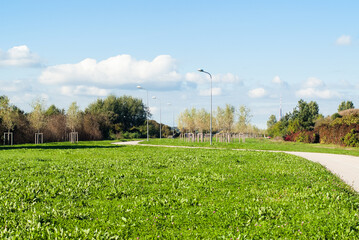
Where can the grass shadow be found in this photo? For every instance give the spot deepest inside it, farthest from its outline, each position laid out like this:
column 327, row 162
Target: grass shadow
column 58, row 147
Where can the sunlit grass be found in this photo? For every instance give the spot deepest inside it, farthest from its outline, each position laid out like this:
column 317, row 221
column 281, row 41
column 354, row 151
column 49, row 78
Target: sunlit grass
column 97, row 190
column 262, row 144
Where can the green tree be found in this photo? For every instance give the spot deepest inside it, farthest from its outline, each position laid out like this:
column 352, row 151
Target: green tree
column 271, row 121
column 53, row 110
column 306, row 114
column 118, row 114
column 345, row 105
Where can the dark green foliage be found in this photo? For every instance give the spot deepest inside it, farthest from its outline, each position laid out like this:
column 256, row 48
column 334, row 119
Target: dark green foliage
column 345, row 105
column 335, row 116
column 119, row 114
column 351, row 139
column 97, row 191
column 53, row 110
column 302, row 118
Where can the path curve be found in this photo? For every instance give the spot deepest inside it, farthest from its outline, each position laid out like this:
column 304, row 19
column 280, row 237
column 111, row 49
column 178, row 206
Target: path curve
column 344, row 166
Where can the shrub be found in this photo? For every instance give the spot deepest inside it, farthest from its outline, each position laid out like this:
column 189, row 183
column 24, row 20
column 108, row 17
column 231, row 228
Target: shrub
column 351, row 139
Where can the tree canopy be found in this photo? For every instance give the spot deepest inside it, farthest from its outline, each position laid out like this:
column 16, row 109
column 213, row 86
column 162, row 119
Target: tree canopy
column 345, row 105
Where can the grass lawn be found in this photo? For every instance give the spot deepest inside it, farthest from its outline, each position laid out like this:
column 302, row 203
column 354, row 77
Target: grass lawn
column 97, row 190
column 263, row 144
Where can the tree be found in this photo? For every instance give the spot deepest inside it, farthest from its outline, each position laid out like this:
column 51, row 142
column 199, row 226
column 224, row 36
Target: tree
column 8, row 113
column 244, row 118
column 73, row 117
column 53, row 110
column 201, row 120
column 186, row 120
column 345, row 105
column 271, row 121
column 37, row 116
column 306, row 114
column 123, row 113
column 225, row 118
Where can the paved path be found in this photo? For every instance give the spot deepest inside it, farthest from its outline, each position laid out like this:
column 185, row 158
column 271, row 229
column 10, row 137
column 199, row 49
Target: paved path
column 345, row 166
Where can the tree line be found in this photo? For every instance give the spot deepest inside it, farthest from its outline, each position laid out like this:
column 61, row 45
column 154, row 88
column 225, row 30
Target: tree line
column 306, row 124
column 109, row 118
column 224, row 120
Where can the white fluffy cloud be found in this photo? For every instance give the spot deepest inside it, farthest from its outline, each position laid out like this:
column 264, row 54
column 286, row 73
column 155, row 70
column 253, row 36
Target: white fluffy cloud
column 316, row 93
column 313, row 82
column 344, row 40
column 115, row 71
column 257, row 93
column 19, row 56
column 315, row 88
column 207, row 92
column 83, row 90
column 277, row 80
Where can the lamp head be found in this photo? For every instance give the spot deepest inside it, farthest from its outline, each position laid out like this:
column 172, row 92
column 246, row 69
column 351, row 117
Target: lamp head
column 200, row 70
column 139, row 87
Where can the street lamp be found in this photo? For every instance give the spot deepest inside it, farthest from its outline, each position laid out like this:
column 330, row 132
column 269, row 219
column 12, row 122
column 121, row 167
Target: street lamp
column 173, row 120
column 148, row 107
column 154, row 97
column 210, row 131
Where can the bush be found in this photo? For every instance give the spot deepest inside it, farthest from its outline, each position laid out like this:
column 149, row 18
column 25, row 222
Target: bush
column 335, row 116
column 351, row 139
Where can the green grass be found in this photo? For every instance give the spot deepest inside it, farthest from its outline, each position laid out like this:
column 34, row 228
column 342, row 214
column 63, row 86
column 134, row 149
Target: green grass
column 262, row 144
column 97, row 190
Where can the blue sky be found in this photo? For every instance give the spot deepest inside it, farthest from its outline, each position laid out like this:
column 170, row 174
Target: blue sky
column 67, row 51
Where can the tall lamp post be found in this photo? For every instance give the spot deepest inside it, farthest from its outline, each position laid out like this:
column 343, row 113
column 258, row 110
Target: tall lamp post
column 210, row 131
column 148, row 107
column 173, row 120
column 154, row 97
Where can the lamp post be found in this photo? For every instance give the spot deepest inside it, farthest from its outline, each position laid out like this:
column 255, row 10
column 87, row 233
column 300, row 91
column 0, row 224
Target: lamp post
column 173, row 120
column 210, row 131
column 154, row 97
column 148, row 107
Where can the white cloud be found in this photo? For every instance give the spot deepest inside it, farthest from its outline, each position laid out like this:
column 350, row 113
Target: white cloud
column 344, row 40
column 19, row 56
column 313, row 82
column 257, row 93
column 315, row 88
column 201, row 78
column 15, row 86
column 83, row 90
column 120, row 70
column 316, row 93
column 207, row 92
column 277, row 80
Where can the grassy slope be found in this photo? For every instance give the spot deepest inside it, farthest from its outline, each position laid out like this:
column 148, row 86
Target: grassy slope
column 263, row 144
column 97, row 190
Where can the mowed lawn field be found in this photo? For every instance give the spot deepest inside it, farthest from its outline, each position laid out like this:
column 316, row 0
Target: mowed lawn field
column 101, row 191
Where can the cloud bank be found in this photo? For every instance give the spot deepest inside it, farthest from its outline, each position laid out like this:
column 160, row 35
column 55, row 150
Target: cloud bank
column 115, row 71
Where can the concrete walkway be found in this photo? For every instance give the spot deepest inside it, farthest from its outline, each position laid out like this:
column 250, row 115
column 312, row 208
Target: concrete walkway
column 345, row 166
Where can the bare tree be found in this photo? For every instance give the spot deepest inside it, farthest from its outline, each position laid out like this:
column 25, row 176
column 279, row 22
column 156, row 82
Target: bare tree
column 244, row 119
